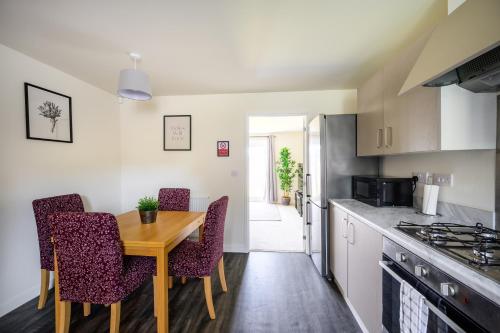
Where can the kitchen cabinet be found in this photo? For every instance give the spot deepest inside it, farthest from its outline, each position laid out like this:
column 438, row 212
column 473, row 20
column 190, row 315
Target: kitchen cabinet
column 338, row 241
column 370, row 119
column 364, row 286
column 354, row 255
column 423, row 119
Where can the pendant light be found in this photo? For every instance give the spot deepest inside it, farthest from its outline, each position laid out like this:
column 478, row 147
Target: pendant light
column 133, row 83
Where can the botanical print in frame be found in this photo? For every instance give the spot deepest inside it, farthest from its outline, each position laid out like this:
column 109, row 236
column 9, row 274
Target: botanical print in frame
column 177, row 132
column 48, row 114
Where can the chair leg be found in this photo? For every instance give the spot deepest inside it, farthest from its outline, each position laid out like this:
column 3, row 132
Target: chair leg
column 207, row 284
column 222, row 276
column 86, row 309
column 183, row 279
column 64, row 316
column 154, row 295
column 44, row 288
column 170, row 282
column 114, row 325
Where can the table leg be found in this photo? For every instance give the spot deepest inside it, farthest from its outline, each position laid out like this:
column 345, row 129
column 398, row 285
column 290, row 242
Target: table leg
column 162, row 290
column 56, row 295
column 201, row 228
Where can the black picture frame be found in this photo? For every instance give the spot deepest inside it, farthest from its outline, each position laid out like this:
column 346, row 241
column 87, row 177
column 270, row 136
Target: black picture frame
column 27, row 113
column 228, row 150
column 165, row 117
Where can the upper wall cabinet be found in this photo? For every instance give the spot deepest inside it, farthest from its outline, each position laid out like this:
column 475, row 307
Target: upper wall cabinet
column 423, row 119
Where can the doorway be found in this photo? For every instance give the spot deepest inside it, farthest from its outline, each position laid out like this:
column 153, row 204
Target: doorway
column 275, row 183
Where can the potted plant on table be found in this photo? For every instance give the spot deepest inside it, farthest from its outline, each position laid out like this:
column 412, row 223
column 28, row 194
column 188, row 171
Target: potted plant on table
column 148, row 209
column 285, row 168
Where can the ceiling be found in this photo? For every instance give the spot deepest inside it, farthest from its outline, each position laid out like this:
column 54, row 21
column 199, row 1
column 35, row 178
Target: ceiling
column 275, row 124
column 218, row 46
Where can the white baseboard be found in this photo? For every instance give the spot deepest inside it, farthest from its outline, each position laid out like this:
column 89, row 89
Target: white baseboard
column 27, row 295
column 235, row 248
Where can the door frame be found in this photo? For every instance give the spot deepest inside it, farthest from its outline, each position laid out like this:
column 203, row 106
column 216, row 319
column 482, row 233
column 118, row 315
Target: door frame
column 305, row 118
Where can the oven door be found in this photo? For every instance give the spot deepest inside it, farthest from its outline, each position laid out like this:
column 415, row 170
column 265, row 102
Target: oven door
column 443, row 317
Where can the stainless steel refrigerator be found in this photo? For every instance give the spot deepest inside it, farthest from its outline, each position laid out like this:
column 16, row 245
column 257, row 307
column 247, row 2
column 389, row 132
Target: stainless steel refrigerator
column 332, row 161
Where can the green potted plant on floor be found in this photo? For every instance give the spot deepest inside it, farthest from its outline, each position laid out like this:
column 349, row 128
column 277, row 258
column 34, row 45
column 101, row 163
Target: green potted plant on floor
column 148, row 209
column 285, row 168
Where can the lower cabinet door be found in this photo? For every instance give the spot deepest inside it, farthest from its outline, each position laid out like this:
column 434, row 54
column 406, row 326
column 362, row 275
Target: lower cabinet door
column 338, row 243
column 364, row 286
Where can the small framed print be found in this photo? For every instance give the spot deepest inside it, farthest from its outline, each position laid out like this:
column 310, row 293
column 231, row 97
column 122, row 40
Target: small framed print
column 48, row 115
column 223, row 148
column 177, row 132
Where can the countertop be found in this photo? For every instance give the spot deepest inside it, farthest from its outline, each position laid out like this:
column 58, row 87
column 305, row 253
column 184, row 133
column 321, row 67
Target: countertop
column 383, row 219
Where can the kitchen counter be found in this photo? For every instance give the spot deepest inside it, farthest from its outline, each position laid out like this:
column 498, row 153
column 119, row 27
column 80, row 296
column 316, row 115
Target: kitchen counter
column 383, row 219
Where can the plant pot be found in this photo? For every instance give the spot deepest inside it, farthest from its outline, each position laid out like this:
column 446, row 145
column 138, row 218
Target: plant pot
column 148, row 216
column 285, row 201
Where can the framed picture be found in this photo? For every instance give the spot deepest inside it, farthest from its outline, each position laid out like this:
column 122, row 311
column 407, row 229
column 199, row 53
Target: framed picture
column 223, row 148
column 48, row 114
column 177, row 132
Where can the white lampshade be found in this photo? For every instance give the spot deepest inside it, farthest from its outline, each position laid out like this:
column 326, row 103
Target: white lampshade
column 134, row 84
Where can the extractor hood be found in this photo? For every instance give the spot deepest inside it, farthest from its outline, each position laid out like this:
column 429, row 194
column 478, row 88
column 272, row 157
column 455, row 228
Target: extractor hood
column 466, row 43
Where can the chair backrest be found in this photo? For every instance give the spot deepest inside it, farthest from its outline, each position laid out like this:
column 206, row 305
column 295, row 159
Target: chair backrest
column 42, row 209
column 213, row 234
column 174, row 199
column 89, row 257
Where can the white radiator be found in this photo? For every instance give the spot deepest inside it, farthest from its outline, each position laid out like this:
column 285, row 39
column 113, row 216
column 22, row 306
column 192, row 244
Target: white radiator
column 199, row 204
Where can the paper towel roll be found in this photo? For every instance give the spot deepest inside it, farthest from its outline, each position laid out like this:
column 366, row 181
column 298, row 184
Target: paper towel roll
column 429, row 203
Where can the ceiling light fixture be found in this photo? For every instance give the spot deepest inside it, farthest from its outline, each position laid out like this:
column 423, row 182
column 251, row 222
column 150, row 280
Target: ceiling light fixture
column 134, row 84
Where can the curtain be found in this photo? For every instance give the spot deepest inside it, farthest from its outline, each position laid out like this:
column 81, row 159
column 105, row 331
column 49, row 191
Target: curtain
column 272, row 188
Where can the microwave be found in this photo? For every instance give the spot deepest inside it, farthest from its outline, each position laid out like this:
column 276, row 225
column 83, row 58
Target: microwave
column 383, row 191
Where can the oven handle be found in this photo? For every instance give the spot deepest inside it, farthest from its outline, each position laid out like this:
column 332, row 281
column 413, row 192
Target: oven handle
column 437, row 312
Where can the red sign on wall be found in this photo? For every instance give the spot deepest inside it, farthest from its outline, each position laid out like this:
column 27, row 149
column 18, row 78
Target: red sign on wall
column 223, row 148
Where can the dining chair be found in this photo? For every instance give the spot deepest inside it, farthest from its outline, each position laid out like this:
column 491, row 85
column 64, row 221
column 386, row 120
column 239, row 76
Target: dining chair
column 174, row 199
column 91, row 266
column 42, row 209
column 199, row 258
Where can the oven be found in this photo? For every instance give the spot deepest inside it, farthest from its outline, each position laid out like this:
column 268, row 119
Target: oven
column 453, row 307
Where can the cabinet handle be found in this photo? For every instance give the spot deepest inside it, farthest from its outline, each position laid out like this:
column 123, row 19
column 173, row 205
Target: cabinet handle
column 352, row 237
column 388, row 136
column 379, row 138
column 344, row 228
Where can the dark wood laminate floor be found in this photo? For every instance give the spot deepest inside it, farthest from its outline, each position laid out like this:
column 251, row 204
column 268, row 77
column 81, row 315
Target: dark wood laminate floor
column 268, row 292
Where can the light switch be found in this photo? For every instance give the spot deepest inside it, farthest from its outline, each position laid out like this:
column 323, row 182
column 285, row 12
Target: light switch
column 443, row 179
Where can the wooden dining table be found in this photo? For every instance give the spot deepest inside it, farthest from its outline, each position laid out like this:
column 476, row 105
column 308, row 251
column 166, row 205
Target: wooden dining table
column 155, row 240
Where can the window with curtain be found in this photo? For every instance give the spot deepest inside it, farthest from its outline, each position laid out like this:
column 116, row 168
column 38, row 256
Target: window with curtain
column 258, row 165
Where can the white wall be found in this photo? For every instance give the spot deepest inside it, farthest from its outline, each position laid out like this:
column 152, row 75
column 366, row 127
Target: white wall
column 33, row 169
column 146, row 167
column 473, row 174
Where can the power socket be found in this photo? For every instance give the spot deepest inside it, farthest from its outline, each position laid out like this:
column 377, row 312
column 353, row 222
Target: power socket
column 443, row 179
column 422, row 176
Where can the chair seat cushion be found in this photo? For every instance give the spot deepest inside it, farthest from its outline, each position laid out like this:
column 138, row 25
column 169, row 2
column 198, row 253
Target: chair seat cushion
column 188, row 259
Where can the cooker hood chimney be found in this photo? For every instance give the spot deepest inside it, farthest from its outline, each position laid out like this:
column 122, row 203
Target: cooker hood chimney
column 464, row 49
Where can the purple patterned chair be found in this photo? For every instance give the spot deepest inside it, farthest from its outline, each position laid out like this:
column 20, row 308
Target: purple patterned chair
column 91, row 266
column 42, row 209
column 174, row 199
column 198, row 259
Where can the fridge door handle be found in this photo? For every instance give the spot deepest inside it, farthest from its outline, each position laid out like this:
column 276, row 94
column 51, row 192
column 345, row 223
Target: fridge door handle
column 308, row 185
column 308, row 207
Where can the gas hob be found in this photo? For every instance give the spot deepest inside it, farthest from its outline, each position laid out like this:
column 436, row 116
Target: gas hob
column 475, row 246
